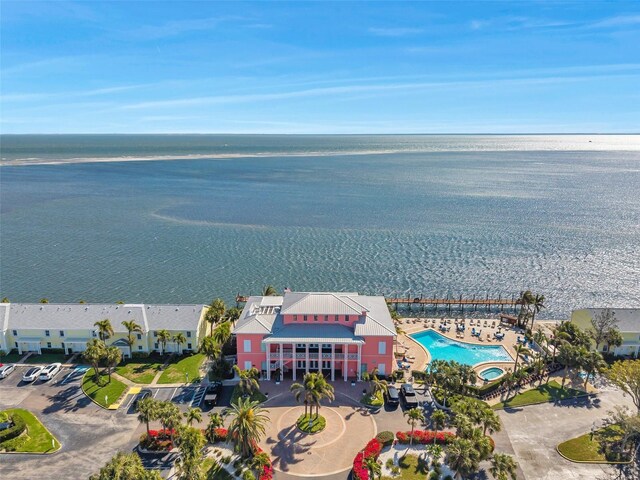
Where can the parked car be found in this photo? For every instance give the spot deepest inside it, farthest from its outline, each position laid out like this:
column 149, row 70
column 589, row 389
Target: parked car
column 145, row 393
column 409, row 396
column 212, row 394
column 31, row 374
column 6, row 370
column 392, row 396
column 50, row 371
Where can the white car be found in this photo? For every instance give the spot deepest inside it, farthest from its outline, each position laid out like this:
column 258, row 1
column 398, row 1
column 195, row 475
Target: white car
column 31, row 374
column 6, row 370
column 50, row 371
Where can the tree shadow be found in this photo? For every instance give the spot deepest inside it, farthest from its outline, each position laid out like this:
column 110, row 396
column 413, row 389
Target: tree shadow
column 289, row 447
column 71, row 399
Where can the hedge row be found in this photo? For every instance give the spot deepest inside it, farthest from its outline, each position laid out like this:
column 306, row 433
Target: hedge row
column 19, row 426
column 425, row 437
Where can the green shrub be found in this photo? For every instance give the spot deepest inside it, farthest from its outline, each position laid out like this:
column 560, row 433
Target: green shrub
column 140, row 355
column 247, row 475
column 19, row 426
column 395, row 470
column 385, row 438
column 448, row 477
column 226, row 459
column 398, row 375
column 434, row 476
column 2, row 353
column 237, row 463
column 389, row 463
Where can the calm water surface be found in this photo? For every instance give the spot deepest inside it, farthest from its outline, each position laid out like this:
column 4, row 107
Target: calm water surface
column 394, row 214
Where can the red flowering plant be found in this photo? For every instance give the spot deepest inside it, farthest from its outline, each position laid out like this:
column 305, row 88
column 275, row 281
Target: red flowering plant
column 371, row 450
column 266, row 472
column 157, row 440
column 424, row 437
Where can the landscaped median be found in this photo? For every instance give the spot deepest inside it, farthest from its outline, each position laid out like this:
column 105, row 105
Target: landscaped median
column 26, row 434
column 376, row 400
column 105, row 393
column 551, row 392
column 310, row 423
column 590, row 448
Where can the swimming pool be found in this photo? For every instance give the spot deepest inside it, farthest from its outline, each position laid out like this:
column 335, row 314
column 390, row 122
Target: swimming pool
column 443, row 348
column 491, row 373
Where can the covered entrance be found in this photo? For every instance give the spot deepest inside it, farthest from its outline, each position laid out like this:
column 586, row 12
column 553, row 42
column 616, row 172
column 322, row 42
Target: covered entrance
column 123, row 346
column 29, row 344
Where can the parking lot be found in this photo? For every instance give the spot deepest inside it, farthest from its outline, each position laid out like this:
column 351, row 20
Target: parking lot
column 89, row 434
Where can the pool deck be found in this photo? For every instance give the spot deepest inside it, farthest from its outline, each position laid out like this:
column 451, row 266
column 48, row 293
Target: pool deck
column 422, row 356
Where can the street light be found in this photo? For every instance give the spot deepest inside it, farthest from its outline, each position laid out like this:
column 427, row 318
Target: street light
column 186, row 374
column 593, row 430
column 106, row 399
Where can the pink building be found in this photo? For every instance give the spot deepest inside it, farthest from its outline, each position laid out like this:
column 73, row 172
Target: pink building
column 340, row 334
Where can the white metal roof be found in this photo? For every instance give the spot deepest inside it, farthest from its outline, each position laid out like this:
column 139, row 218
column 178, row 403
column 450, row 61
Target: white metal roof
column 53, row 316
column 260, row 318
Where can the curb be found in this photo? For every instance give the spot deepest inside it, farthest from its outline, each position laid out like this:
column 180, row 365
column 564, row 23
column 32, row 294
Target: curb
column 590, row 462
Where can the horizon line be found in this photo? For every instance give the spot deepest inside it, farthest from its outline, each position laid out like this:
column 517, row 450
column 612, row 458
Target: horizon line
column 327, row 134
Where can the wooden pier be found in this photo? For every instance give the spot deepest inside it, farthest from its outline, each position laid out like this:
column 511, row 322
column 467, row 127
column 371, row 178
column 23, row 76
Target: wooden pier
column 448, row 303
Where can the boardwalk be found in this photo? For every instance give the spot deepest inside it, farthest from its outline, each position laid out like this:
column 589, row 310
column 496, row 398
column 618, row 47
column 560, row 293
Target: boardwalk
column 449, row 303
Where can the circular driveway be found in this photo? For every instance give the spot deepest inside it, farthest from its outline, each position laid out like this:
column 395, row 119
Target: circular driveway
column 328, row 452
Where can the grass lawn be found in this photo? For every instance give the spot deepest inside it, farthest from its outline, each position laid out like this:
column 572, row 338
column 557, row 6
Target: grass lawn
column 256, row 396
column 140, row 370
column 544, row 393
column 177, row 370
column 317, row 423
column 374, row 401
column 36, row 439
column 113, row 389
column 584, row 449
column 410, row 469
column 47, row 358
column 11, row 358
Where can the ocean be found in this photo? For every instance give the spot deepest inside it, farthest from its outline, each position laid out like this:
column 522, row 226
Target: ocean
column 187, row 218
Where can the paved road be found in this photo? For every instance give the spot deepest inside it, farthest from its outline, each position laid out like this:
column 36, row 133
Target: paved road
column 535, row 431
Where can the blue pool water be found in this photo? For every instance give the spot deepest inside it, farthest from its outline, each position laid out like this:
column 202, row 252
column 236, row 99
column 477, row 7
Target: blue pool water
column 442, row 348
column 491, row 373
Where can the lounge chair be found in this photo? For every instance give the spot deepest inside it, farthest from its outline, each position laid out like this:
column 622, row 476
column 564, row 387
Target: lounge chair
column 493, row 325
column 485, row 323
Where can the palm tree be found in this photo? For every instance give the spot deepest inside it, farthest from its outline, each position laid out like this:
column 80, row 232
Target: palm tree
column 169, row 416
column 503, row 466
column 313, row 389
column 269, row 291
column 438, row 420
column 105, row 330
column 222, row 332
column 233, row 314
column 592, row 362
column 520, row 350
column 131, row 327
column 216, row 420
column 303, row 392
column 193, row 415
column 215, row 312
column 462, row 457
column 541, row 338
column 323, row 390
column 147, row 411
column 248, row 425
column 537, row 304
column 5, row 300
column 414, row 415
column 164, row 336
column 210, row 348
column 525, row 300
column 179, row 339
column 489, row 420
column 375, row 469
column 112, row 356
column 567, row 356
column 125, row 465
column 93, row 354
column 248, row 383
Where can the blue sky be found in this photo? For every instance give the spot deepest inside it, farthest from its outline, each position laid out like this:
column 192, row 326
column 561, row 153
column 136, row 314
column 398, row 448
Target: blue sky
column 231, row 67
